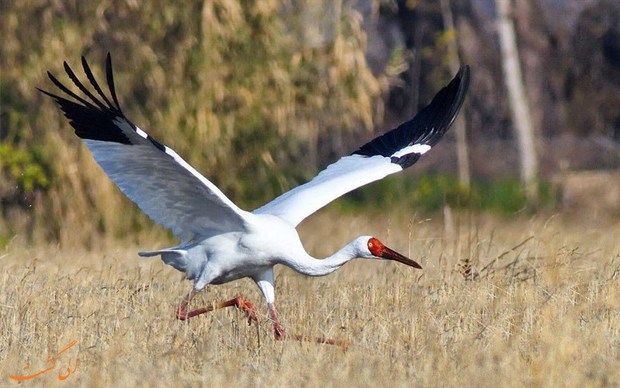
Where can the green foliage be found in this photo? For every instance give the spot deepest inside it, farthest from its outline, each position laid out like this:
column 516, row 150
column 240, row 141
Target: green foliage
column 4, row 240
column 429, row 193
column 22, row 166
column 27, row 168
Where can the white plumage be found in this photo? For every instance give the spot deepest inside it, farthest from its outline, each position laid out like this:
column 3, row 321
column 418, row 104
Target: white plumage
column 219, row 242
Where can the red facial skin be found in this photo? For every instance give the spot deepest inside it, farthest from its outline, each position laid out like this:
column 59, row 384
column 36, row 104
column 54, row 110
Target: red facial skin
column 377, row 248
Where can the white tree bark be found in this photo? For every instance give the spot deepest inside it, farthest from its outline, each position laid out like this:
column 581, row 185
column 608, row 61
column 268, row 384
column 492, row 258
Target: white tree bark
column 460, row 130
column 519, row 108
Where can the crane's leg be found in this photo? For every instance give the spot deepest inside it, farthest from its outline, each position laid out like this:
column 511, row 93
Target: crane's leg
column 240, row 302
column 329, row 341
column 278, row 331
column 280, row 334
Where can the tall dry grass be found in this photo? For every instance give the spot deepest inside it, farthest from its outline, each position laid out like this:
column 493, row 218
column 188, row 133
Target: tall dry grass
column 539, row 306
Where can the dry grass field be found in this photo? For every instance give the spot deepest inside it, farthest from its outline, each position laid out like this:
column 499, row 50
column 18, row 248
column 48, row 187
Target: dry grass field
column 525, row 301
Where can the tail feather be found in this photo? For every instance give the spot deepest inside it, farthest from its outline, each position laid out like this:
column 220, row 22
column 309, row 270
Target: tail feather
column 174, row 257
column 184, row 260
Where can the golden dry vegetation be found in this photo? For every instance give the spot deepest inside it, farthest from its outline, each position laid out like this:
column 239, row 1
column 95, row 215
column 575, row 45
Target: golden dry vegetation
column 526, row 301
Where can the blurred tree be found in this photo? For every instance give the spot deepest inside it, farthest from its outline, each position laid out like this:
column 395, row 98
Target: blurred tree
column 460, row 129
column 519, row 107
column 592, row 77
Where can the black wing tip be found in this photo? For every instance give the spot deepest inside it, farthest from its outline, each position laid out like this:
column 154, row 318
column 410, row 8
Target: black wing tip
column 51, row 76
column 90, row 117
column 110, row 79
column 115, row 107
column 461, row 83
column 464, row 72
column 437, row 117
column 463, row 76
column 426, row 127
column 94, row 121
column 45, row 92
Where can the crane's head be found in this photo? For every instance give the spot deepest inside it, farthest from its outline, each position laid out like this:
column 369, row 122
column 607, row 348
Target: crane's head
column 372, row 248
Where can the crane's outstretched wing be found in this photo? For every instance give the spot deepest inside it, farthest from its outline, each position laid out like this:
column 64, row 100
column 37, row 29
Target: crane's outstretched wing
column 159, row 181
column 386, row 154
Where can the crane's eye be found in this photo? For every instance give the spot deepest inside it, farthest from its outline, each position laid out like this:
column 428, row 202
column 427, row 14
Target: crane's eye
column 375, row 247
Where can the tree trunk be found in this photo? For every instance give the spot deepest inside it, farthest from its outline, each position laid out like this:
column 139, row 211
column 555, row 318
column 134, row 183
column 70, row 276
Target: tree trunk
column 517, row 98
column 460, row 130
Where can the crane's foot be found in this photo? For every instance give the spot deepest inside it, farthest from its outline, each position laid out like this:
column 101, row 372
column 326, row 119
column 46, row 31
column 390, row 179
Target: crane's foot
column 183, row 314
column 278, row 331
column 329, row 341
column 244, row 305
column 240, row 302
column 280, row 334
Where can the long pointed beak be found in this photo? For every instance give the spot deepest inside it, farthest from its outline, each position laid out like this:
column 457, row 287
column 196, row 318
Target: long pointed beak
column 389, row 254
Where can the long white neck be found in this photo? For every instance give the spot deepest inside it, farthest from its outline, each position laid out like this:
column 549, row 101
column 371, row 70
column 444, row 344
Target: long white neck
column 310, row 266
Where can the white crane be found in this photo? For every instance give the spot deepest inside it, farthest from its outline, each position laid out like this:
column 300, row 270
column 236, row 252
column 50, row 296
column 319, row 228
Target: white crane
column 219, row 242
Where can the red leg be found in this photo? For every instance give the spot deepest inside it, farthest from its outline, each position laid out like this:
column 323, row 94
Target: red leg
column 280, row 333
column 329, row 341
column 240, row 302
column 244, row 305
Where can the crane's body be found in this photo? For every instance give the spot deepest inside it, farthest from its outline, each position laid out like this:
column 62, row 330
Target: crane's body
column 219, row 242
column 237, row 254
